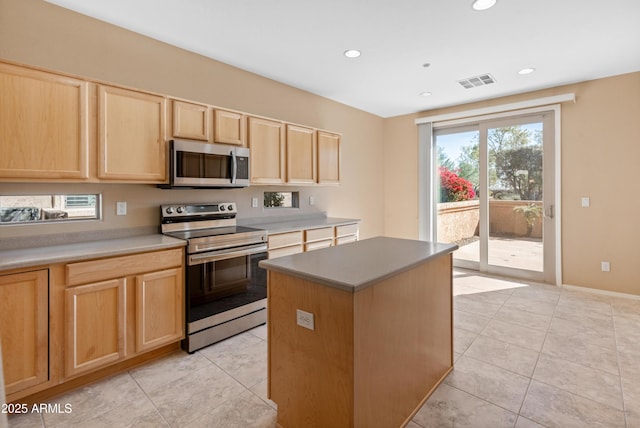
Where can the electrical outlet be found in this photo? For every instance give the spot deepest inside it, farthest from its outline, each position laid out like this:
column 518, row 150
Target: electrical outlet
column 121, row 208
column 254, row 202
column 305, row 319
column 606, row 266
column 586, row 202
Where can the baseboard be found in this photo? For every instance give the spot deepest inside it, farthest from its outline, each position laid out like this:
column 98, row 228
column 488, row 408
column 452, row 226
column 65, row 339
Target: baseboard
column 602, row 292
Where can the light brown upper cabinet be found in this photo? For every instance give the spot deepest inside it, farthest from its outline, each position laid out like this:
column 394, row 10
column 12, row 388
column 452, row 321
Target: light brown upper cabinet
column 267, row 143
column 328, row 158
column 190, row 121
column 193, row 121
column 301, row 155
column 131, row 130
column 228, row 127
column 24, row 329
column 43, row 125
column 49, row 123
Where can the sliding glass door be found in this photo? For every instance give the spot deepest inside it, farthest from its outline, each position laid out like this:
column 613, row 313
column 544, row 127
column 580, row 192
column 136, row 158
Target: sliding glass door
column 494, row 185
column 457, row 190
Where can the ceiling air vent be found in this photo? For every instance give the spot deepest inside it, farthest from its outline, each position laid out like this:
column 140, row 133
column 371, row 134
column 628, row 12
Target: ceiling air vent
column 481, row 80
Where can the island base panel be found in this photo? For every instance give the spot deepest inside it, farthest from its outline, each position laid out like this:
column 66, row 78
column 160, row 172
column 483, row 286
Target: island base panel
column 374, row 356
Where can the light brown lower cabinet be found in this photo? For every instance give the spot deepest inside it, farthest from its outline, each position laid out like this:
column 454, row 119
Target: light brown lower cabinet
column 95, row 319
column 288, row 243
column 285, row 244
column 24, row 329
column 315, row 239
column 159, row 313
column 346, row 233
column 113, row 319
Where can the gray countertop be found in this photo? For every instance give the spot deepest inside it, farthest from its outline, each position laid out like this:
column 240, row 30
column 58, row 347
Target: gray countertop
column 44, row 255
column 42, row 252
column 291, row 225
column 354, row 266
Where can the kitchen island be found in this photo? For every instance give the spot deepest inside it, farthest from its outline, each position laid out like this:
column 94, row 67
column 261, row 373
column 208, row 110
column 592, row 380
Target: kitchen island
column 359, row 334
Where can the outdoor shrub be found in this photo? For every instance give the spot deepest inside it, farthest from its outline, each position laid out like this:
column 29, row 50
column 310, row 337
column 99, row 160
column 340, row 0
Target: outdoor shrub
column 454, row 188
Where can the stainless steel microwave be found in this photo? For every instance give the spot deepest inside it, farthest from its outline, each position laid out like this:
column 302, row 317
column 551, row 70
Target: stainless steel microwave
column 195, row 164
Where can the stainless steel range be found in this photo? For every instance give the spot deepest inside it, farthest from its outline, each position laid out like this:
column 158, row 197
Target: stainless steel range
column 226, row 291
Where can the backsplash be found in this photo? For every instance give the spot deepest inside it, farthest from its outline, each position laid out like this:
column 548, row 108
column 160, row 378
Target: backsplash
column 143, row 202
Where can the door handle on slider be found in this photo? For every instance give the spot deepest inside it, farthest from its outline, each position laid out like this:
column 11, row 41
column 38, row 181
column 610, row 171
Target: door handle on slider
column 548, row 213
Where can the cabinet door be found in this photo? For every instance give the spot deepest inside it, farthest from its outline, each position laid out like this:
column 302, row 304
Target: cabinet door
column 328, row 158
column 190, row 121
column 130, row 136
column 24, row 329
column 95, row 324
column 228, row 127
column 159, row 308
column 301, row 155
column 43, row 125
column 266, row 141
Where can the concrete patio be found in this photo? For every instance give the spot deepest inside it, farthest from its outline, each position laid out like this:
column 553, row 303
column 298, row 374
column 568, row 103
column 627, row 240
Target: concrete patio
column 516, row 253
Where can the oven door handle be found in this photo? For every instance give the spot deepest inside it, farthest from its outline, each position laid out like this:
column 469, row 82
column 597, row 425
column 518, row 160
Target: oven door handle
column 225, row 254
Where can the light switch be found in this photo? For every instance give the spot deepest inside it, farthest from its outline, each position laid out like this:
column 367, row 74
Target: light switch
column 121, row 208
column 254, row 202
column 586, row 202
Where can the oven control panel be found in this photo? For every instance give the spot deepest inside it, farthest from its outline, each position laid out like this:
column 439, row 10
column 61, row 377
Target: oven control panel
column 207, row 209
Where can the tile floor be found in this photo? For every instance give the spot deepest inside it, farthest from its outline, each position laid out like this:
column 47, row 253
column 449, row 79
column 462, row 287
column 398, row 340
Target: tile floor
column 525, row 356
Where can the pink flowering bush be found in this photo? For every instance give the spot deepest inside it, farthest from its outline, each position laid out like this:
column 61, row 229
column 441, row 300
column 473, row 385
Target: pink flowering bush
column 454, row 188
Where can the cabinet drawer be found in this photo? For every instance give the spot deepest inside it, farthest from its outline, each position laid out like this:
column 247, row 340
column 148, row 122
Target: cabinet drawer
column 347, row 229
column 319, row 234
column 116, row 267
column 346, row 239
column 285, row 239
column 285, row 251
column 318, row 244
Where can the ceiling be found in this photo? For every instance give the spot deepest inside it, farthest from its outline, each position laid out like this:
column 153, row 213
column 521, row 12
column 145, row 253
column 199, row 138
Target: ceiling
column 301, row 43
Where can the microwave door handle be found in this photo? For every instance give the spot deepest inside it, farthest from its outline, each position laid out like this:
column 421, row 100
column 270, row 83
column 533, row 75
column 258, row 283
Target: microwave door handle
column 234, row 166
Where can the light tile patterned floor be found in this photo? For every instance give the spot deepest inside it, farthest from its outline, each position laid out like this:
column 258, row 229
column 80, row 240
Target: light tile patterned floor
column 526, row 356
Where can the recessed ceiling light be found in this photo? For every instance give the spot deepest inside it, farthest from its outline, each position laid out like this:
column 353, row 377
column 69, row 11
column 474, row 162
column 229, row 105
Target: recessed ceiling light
column 425, row 94
column 483, row 4
column 528, row 70
column 352, row 53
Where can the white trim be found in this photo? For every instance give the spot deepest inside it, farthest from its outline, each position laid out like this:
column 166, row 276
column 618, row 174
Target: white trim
column 513, row 114
column 498, row 109
column 558, row 189
column 601, row 292
column 425, row 196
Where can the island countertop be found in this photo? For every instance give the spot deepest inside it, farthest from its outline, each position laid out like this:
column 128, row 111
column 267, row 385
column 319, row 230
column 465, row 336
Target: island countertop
column 354, row 266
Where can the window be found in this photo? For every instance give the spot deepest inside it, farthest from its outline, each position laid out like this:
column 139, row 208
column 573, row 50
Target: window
column 22, row 209
column 281, row 200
